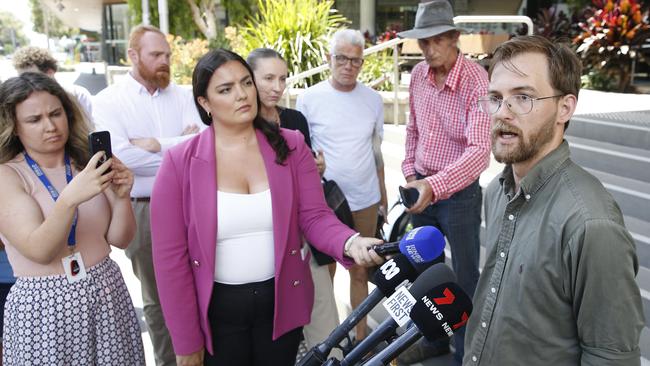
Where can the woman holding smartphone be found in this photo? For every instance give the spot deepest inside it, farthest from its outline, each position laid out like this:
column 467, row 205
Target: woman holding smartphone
column 59, row 212
column 228, row 212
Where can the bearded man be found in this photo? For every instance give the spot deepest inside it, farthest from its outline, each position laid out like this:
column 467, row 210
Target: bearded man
column 147, row 114
column 557, row 287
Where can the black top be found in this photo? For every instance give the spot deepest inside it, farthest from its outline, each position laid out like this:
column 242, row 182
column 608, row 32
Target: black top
column 294, row 120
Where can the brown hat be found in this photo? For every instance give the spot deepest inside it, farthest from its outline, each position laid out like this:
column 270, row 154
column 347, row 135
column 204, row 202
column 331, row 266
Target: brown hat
column 431, row 19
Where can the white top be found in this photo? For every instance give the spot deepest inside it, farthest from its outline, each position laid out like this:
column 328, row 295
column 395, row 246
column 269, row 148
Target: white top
column 84, row 98
column 342, row 125
column 245, row 247
column 128, row 111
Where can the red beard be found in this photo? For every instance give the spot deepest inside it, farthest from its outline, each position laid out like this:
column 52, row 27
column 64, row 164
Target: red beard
column 159, row 77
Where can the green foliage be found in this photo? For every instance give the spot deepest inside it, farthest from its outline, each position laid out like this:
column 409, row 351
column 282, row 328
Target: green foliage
column 377, row 71
column 56, row 28
column 238, row 10
column 298, row 29
column 180, row 17
column 9, row 26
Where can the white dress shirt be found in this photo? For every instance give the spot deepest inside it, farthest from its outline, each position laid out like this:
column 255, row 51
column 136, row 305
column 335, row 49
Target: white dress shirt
column 128, row 111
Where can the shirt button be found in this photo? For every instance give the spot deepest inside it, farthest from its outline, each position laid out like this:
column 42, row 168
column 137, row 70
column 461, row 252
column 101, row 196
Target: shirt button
column 196, row 263
column 474, row 358
column 296, row 283
column 293, row 252
column 493, row 290
column 527, row 197
column 483, row 324
column 502, row 254
column 511, row 217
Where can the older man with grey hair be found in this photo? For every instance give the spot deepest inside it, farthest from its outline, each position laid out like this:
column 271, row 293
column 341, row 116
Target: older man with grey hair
column 344, row 118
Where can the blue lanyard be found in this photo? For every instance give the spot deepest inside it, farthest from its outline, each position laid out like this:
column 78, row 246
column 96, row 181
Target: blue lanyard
column 53, row 192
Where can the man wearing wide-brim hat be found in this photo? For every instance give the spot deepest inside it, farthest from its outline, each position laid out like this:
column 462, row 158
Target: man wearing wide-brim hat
column 447, row 148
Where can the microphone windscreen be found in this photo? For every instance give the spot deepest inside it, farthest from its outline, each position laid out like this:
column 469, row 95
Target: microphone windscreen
column 441, row 311
column 422, row 244
column 393, row 273
column 433, row 276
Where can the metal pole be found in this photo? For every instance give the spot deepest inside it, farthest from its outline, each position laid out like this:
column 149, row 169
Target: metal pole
column 163, row 14
column 146, row 14
column 395, row 86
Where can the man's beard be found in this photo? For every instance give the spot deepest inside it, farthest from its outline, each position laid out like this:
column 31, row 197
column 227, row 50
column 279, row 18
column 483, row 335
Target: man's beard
column 526, row 149
column 159, row 77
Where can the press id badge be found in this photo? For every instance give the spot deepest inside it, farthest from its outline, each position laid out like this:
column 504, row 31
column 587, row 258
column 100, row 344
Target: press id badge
column 74, row 267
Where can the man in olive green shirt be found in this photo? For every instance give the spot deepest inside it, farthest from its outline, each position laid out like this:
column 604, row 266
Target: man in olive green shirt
column 558, row 283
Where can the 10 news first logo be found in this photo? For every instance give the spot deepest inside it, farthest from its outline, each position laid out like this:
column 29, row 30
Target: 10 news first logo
column 401, row 302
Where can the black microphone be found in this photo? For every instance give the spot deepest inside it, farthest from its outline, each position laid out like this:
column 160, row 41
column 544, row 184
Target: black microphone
column 392, row 274
column 431, row 277
column 422, row 244
column 437, row 314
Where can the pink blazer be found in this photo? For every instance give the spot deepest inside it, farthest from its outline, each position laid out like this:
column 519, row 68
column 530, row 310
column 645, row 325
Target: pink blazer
column 184, row 232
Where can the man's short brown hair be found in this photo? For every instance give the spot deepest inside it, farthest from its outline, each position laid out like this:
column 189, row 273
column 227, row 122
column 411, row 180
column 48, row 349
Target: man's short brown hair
column 27, row 57
column 564, row 67
column 138, row 32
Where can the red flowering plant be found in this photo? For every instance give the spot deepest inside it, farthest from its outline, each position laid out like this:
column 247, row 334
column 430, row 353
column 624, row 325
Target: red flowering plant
column 610, row 38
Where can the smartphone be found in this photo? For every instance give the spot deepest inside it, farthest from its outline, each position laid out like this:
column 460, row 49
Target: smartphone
column 409, row 196
column 100, row 141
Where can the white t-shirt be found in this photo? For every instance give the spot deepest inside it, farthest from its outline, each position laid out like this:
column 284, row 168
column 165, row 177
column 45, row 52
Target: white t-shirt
column 84, row 98
column 342, row 124
column 128, row 111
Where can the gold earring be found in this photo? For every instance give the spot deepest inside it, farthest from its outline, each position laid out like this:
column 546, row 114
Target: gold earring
column 209, row 115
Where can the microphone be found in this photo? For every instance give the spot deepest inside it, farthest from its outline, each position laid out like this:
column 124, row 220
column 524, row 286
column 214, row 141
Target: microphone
column 433, row 276
column 422, row 244
column 394, row 273
column 437, row 314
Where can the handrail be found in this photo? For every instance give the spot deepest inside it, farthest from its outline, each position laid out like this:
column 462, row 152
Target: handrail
column 496, row 19
column 397, row 41
column 325, row 66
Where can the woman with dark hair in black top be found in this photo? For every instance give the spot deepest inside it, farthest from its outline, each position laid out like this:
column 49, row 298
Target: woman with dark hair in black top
column 270, row 72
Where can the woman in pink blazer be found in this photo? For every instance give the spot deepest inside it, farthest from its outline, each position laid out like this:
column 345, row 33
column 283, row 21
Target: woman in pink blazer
column 228, row 211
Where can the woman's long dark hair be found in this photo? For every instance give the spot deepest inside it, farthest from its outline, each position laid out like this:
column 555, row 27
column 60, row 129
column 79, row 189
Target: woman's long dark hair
column 15, row 91
column 203, row 72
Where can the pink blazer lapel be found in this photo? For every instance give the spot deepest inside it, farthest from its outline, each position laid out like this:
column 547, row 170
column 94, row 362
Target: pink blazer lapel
column 203, row 179
column 281, row 185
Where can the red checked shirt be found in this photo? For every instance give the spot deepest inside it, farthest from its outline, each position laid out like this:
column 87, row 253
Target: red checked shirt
column 447, row 136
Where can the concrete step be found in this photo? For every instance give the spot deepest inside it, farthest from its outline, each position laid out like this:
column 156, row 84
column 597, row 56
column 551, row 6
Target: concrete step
column 622, row 128
column 615, row 159
column 633, row 196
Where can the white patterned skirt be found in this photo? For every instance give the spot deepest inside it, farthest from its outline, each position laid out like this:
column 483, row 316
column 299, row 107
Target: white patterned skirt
column 48, row 321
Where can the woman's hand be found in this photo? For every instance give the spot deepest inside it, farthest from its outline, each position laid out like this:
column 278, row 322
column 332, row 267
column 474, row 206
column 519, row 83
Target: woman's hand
column 194, row 359
column 90, row 182
column 122, row 181
column 362, row 254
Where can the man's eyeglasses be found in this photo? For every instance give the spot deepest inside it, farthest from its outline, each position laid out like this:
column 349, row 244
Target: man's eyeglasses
column 518, row 104
column 341, row 60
